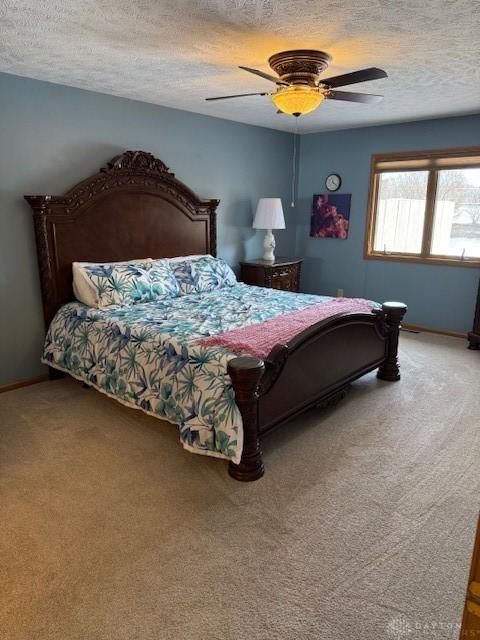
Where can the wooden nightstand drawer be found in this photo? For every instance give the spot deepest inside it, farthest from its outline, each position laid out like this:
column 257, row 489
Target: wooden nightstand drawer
column 282, row 274
column 284, row 279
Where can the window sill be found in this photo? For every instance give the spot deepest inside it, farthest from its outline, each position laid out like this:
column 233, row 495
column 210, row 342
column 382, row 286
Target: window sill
column 397, row 257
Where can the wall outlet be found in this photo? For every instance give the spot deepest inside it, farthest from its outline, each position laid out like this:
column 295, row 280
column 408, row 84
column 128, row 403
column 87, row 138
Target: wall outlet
column 339, row 293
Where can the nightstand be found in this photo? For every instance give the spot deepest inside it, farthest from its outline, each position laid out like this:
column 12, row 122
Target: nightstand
column 283, row 273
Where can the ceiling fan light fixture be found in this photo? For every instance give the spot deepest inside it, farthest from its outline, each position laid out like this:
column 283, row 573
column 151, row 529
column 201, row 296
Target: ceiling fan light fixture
column 297, row 100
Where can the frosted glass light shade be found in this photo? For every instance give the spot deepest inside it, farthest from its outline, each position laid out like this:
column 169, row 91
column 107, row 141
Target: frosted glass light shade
column 269, row 214
column 297, row 100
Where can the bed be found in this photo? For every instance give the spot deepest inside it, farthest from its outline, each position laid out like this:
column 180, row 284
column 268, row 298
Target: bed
column 134, row 208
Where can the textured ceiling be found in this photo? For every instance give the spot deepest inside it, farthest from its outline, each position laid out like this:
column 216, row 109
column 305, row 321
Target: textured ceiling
column 177, row 52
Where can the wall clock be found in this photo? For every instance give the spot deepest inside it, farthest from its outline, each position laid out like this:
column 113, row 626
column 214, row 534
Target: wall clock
column 333, row 182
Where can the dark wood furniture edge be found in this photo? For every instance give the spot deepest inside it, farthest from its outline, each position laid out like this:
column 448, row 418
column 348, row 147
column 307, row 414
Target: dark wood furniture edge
column 283, row 273
column 470, row 628
column 473, row 341
column 252, row 378
column 278, row 262
column 474, row 334
column 394, row 312
column 246, row 373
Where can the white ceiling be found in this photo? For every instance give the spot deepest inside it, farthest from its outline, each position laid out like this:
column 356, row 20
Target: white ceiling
column 177, row 52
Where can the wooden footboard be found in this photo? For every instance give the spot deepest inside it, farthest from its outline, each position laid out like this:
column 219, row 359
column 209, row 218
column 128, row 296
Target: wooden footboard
column 313, row 368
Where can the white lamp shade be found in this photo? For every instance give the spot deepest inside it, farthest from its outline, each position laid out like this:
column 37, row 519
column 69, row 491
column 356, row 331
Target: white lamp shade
column 269, row 214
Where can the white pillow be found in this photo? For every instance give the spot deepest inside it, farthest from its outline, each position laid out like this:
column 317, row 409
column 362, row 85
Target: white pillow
column 187, row 258
column 83, row 289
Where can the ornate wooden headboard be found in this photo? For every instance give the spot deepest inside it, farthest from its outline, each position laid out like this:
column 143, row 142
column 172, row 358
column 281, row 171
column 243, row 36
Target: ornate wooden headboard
column 133, row 208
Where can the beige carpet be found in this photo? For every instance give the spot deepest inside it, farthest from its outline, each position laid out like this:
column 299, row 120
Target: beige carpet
column 362, row 527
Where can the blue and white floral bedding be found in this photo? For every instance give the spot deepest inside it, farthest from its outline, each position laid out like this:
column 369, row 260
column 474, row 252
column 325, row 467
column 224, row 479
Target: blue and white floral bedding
column 146, row 356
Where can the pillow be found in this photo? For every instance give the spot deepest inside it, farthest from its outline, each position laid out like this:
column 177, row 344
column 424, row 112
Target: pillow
column 188, row 258
column 83, row 292
column 131, row 283
column 83, row 288
column 203, row 274
column 182, row 272
column 162, row 280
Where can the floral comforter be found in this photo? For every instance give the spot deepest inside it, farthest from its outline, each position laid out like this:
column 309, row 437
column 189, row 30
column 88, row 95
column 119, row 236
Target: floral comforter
column 147, row 357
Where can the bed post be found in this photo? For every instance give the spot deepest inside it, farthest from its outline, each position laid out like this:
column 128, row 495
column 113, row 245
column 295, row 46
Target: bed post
column 245, row 373
column 394, row 312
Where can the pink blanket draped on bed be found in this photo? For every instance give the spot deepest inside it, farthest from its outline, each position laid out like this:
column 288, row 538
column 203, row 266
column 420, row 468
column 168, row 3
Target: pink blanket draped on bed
column 259, row 339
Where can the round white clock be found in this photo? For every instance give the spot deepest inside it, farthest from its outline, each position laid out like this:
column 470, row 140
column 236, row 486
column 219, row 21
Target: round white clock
column 333, row 182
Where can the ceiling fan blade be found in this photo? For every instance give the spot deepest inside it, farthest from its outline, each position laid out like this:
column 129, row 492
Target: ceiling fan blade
column 238, row 95
column 363, row 75
column 267, row 76
column 349, row 96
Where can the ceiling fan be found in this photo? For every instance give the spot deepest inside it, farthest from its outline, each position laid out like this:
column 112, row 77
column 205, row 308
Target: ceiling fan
column 300, row 89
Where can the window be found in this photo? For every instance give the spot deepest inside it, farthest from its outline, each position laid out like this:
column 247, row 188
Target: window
column 425, row 207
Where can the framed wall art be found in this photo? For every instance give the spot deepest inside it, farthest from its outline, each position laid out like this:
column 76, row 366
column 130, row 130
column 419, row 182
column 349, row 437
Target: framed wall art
column 330, row 215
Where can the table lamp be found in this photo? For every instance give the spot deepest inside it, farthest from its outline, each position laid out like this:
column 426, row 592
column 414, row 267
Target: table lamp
column 269, row 215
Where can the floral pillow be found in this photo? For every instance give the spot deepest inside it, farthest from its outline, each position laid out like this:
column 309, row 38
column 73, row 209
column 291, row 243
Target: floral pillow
column 203, row 274
column 127, row 284
column 82, row 287
column 163, row 280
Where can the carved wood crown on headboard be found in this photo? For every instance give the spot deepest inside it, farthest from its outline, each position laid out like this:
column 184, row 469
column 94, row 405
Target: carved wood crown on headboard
column 132, row 208
column 137, row 160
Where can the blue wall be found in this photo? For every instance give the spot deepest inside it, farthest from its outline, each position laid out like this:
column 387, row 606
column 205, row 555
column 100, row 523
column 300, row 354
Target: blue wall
column 53, row 136
column 437, row 296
